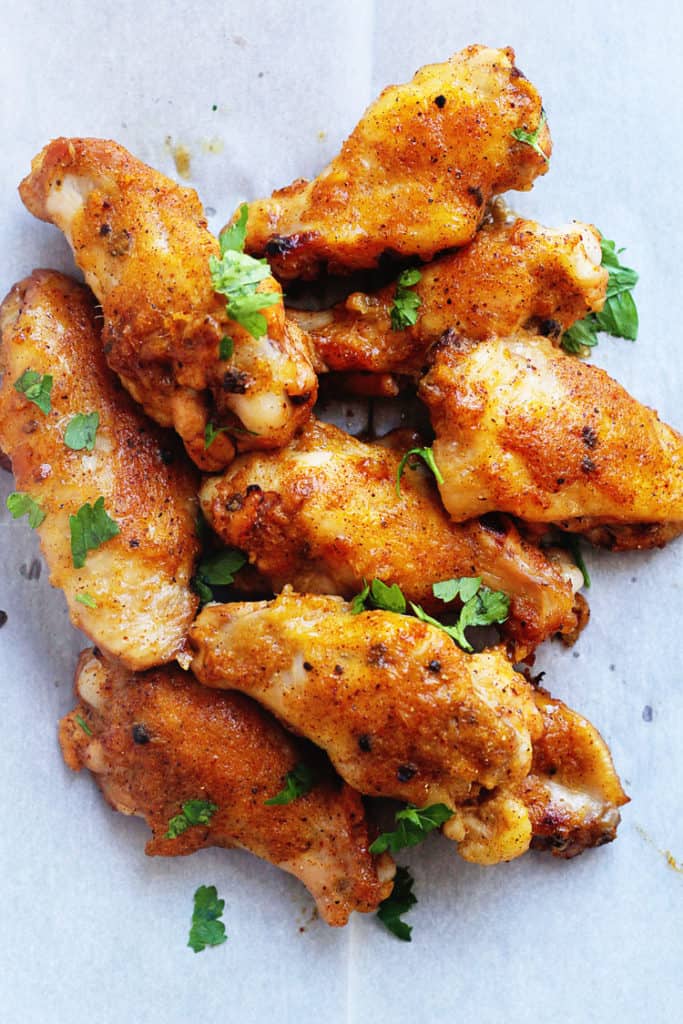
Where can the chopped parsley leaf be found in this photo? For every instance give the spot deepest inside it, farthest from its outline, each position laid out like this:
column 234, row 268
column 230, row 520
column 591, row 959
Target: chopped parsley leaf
column 573, row 545
column 398, row 903
column 531, row 138
column 87, row 599
column 84, row 725
column 37, row 387
column 481, row 607
column 194, row 812
column 406, row 302
column 90, row 527
column 298, row 782
column 217, row 570
column 81, row 430
column 206, row 929
column 424, row 453
column 211, row 433
column 234, row 236
column 414, row 825
column 21, row 504
column 379, row 595
column 226, row 347
column 237, row 276
column 619, row 315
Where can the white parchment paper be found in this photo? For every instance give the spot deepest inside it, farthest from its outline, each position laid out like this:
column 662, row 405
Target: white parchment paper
column 91, row 930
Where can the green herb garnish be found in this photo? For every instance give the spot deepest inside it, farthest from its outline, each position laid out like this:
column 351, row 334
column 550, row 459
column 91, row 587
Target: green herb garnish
column 81, row 430
column 618, row 317
column 21, row 504
column 90, row 527
column 194, row 812
column 298, row 782
column 37, row 387
column 481, row 607
column 573, row 545
column 206, row 929
column 406, row 302
column 84, row 725
column 237, row 276
column 398, row 903
column 531, row 138
column 217, row 570
column 424, row 453
column 226, row 347
column 87, row 599
column 414, row 825
column 379, row 595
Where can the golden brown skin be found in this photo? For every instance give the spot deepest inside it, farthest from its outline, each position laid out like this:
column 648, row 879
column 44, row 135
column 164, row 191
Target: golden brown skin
column 159, row 739
column 511, row 276
column 415, row 175
column 140, row 578
column 401, row 711
column 323, row 515
column 143, row 244
column 523, row 428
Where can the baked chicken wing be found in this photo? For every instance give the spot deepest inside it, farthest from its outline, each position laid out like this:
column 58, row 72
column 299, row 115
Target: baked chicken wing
column 402, row 712
column 157, row 740
column 132, row 593
column 324, row 515
column 511, row 276
column 523, row 428
column 143, row 244
column 415, row 175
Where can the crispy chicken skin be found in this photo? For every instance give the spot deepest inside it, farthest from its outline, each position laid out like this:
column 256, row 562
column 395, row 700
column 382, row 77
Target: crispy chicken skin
column 523, row 428
column 143, row 244
column 140, row 579
column 401, row 711
column 159, row 739
column 323, row 515
column 415, row 175
column 511, row 276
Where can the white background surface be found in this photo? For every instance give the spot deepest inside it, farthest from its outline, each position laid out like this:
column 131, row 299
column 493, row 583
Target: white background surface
column 91, row 930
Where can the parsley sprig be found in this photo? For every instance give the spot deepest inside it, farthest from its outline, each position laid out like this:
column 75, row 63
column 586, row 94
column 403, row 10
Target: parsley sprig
column 81, row 431
column 413, row 826
column 619, row 315
column 206, row 929
column 37, row 387
column 237, row 276
column 398, row 903
column 298, row 782
column 427, row 455
column 480, row 606
column 194, row 812
column 217, row 570
column 531, row 138
column 21, row 504
column 406, row 302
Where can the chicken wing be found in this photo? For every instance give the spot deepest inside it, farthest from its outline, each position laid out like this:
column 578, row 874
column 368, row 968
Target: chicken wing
column 323, row 515
column 525, row 429
column 144, row 247
column 157, row 740
column 512, row 276
column 415, row 175
column 400, row 709
column 132, row 595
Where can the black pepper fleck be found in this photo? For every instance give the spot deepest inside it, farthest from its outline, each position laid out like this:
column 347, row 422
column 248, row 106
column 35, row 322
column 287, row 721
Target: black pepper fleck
column 365, row 743
column 236, row 382
column 140, row 734
column 300, row 399
column 440, row 101
column 338, row 670
column 589, row 437
column 587, row 465
column 478, row 195
column 406, row 772
column 105, row 230
column 133, row 543
column 308, row 667
column 434, row 666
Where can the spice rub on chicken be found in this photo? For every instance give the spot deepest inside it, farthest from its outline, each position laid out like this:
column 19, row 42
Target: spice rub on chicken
column 112, row 495
column 512, row 276
column 324, row 515
column 401, row 711
column 157, row 740
column 143, row 244
column 416, row 173
column 523, row 428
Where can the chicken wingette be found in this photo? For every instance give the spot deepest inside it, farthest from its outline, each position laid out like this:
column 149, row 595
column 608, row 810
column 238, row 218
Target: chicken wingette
column 511, row 277
column 416, row 173
column 130, row 593
column 158, row 739
column 143, row 244
column 523, row 428
column 324, row 515
column 402, row 712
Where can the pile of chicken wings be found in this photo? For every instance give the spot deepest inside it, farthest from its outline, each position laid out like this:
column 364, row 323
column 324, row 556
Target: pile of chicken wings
column 205, row 386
